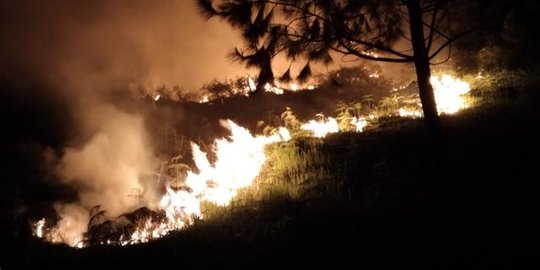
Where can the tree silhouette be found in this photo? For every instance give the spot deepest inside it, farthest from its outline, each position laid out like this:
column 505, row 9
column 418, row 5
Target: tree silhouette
column 312, row 31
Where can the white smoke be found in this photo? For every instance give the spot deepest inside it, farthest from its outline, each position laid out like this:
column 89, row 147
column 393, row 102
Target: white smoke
column 109, row 170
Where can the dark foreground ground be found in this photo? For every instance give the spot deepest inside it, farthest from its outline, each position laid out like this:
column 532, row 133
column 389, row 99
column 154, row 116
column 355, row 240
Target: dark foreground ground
column 392, row 212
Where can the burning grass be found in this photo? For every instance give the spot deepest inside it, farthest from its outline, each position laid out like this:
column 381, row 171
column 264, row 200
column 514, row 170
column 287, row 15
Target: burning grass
column 358, row 198
column 247, row 168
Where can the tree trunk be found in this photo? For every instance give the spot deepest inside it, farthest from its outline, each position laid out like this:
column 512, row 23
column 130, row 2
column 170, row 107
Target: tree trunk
column 423, row 74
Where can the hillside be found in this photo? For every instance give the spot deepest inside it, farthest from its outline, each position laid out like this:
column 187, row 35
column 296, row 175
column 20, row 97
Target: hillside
column 367, row 199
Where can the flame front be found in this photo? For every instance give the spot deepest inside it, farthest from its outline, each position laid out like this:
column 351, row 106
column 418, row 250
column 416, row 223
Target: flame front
column 238, row 161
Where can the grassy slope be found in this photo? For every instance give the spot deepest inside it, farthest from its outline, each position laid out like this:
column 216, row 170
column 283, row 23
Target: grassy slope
column 370, row 208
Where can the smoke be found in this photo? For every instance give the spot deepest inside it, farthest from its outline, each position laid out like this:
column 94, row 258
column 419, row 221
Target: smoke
column 83, row 51
column 111, row 169
column 72, row 224
column 148, row 42
column 79, row 52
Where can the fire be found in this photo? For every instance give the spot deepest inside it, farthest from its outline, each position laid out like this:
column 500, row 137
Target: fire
column 328, row 125
column 448, row 93
column 278, row 89
column 322, row 128
column 38, row 230
column 238, row 161
column 251, row 84
column 204, row 99
column 360, row 123
column 273, row 89
column 294, row 87
column 145, row 231
column 403, row 112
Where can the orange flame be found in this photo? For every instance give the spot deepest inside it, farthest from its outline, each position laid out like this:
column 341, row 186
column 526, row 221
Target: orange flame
column 239, row 158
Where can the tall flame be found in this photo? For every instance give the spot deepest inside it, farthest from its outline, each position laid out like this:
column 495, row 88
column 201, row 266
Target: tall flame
column 448, row 93
column 238, row 163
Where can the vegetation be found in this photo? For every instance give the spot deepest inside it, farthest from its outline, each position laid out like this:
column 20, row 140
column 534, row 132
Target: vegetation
column 361, row 199
column 314, row 31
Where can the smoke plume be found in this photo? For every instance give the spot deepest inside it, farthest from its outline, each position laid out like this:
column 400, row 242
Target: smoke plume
column 148, row 42
column 111, row 170
column 78, row 53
